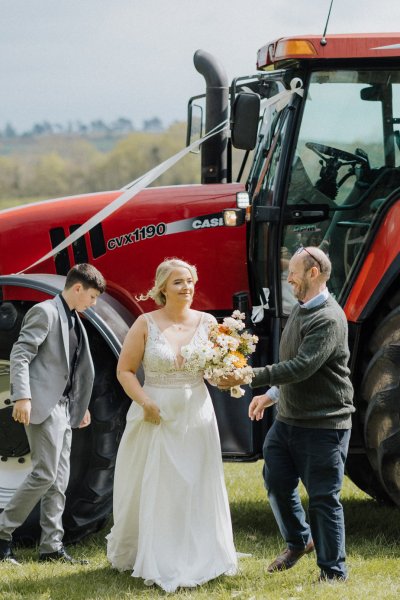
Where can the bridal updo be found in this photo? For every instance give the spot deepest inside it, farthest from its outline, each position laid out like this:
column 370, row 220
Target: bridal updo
column 163, row 271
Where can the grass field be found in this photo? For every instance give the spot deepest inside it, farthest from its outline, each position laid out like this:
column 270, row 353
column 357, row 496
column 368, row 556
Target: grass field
column 373, row 547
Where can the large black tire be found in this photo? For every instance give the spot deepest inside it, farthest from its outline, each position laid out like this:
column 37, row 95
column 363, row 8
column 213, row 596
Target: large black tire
column 378, row 471
column 94, row 449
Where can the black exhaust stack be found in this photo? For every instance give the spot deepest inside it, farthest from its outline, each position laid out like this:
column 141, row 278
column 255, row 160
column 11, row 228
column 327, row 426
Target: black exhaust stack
column 214, row 152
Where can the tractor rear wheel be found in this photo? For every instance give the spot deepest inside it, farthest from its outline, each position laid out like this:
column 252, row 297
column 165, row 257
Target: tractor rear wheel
column 378, row 471
column 94, row 449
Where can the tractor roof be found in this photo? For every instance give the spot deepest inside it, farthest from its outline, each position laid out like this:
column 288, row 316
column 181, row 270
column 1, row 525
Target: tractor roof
column 339, row 46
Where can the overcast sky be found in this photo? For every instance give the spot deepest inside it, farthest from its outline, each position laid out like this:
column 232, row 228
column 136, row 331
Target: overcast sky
column 69, row 60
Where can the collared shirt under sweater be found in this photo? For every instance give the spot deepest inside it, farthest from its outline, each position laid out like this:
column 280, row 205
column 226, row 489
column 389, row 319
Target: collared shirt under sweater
column 312, row 373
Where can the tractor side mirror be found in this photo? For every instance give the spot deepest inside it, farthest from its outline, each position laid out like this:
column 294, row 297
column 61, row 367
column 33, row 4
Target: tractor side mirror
column 244, row 120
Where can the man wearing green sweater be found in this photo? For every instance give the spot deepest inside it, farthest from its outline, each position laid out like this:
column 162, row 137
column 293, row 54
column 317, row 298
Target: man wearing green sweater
column 310, row 436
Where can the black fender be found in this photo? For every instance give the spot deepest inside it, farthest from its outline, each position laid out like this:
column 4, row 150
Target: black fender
column 109, row 317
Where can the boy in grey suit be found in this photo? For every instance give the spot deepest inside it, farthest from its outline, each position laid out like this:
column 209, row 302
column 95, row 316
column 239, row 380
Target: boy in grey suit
column 51, row 372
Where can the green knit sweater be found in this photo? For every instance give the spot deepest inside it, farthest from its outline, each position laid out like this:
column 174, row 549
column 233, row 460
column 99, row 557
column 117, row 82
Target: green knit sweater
column 312, row 375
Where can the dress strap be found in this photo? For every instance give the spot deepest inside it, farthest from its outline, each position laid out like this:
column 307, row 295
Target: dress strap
column 208, row 320
column 152, row 328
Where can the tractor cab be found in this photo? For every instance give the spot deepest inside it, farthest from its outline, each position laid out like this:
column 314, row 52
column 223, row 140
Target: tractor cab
column 326, row 173
column 327, row 157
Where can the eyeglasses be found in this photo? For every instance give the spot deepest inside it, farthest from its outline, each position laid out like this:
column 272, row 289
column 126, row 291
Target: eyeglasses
column 312, row 256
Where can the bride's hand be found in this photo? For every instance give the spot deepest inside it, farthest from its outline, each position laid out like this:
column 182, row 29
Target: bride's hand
column 151, row 412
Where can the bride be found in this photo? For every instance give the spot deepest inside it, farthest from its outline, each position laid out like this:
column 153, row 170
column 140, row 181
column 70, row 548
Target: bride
column 172, row 524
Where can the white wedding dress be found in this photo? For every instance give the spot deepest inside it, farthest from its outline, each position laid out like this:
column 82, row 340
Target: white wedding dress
column 172, row 525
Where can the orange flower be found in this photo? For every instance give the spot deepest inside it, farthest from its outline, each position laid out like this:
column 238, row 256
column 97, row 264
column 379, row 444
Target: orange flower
column 223, row 329
column 240, row 359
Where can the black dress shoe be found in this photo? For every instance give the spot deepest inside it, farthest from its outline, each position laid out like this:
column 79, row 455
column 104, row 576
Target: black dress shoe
column 61, row 555
column 6, row 553
column 289, row 558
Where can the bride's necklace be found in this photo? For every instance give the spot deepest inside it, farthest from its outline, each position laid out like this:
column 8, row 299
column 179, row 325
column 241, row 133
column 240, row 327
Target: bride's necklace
column 177, row 325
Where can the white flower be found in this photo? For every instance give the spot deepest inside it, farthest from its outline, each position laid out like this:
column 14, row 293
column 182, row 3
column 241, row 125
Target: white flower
column 238, row 315
column 237, row 391
column 234, row 324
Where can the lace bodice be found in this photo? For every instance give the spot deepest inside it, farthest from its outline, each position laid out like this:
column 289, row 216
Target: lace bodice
column 160, row 362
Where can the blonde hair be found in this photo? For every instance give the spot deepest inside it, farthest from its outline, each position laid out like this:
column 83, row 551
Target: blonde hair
column 163, row 271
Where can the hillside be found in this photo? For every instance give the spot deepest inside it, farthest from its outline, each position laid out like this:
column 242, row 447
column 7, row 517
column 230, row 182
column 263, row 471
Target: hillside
column 51, row 165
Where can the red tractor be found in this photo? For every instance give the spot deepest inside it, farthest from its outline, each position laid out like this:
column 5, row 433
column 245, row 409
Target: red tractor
column 320, row 129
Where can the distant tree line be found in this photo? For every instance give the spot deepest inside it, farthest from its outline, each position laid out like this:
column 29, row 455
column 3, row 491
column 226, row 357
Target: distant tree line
column 120, row 126
column 52, row 164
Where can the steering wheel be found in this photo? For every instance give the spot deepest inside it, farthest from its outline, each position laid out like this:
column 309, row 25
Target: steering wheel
column 328, row 152
column 332, row 160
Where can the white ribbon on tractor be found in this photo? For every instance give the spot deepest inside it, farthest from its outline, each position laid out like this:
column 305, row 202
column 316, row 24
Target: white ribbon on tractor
column 283, row 98
column 257, row 313
column 279, row 101
column 128, row 192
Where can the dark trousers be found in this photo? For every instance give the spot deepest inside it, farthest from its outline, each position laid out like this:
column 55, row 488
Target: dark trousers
column 316, row 457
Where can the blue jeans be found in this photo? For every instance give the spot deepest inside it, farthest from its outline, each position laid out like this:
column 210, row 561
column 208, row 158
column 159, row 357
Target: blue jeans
column 316, row 457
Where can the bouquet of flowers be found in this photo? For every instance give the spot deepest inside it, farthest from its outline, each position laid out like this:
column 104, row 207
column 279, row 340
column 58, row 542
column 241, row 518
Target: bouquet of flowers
column 225, row 352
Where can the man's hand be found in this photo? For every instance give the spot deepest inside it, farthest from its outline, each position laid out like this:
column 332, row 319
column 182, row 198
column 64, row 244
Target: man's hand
column 22, row 411
column 86, row 420
column 228, row 381
column 258, row 405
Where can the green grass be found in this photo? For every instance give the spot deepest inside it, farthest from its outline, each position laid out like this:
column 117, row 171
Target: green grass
column 373, row 548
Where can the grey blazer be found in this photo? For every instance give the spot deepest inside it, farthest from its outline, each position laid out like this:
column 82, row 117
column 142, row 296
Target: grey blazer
column 40, row 363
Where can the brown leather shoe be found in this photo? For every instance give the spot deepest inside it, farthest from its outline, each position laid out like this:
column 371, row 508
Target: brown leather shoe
column 289, row 558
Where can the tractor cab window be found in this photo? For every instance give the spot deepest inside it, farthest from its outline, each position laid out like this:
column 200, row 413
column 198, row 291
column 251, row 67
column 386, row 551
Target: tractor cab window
column 347, row 158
